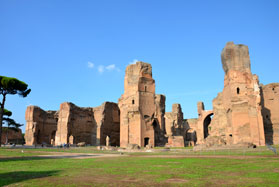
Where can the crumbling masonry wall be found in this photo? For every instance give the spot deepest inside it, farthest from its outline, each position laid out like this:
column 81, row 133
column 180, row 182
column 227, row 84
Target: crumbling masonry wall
column 107, row 117
column 40, row 126
column 11, row 136
column 89, row 125
column 270, row 112
column 175, row 127
column 75, row 125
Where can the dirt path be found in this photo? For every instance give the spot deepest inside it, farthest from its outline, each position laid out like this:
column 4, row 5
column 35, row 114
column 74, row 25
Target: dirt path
column 78, row 155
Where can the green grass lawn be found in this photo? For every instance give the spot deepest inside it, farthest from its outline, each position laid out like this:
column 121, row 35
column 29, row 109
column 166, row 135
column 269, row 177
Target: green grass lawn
column 24, row 169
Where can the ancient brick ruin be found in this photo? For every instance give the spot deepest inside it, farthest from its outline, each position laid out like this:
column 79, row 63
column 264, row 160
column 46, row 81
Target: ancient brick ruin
column 270, row 112
column 73, row 124
column 11, row 136
column 41, row 126
column 245, row 112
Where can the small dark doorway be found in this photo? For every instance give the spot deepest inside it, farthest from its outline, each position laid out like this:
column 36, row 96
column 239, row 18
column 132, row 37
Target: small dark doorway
column 146, row 141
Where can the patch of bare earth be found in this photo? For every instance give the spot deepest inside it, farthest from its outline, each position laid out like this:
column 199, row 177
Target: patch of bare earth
column 93, row 180
column 176, row 180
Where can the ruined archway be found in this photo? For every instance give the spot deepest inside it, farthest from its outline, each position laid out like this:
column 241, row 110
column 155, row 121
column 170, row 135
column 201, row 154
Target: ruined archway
column 206, row 123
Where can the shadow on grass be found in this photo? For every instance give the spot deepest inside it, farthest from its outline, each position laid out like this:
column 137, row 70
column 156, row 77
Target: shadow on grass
column 27, row 158
column 19, row 176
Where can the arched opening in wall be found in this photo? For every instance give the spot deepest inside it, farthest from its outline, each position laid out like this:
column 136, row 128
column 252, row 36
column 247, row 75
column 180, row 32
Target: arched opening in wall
column 237, row 90
column 146, row 141
column 206, row 125
column 156, row 128
column 52, row 138
column 145, row 88
column 133, row 101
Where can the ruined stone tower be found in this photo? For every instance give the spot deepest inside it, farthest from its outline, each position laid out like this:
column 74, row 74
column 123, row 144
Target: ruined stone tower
column 237, row 110
column 137, row 106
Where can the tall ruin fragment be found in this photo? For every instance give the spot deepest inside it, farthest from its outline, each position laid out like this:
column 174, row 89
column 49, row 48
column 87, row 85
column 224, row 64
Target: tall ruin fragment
column 237, row 110
column 138, row 123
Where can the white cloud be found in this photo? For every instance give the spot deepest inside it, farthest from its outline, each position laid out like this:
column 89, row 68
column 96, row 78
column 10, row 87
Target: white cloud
column 134, row 61
column 110, row 67
column 101, row 69
column 90, row 65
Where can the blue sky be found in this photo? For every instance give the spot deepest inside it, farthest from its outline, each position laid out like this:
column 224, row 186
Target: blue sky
column 77, row 51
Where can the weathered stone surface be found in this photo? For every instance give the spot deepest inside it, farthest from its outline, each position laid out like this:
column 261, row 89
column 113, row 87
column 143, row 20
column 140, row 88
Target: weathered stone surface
column 141, row 110
column 40, row 126
column 77, row 123
column 107, row 117
column 89, row 125
column 174, row 121
column 175, row 141
column 133, row 147
column 235, row 57
column 270, row 112
column 203, row 124
column 11, row 136
column 237, row 110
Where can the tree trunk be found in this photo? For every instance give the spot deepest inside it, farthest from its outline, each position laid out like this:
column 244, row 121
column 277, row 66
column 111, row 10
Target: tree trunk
column 1, row 119
column 1, row 116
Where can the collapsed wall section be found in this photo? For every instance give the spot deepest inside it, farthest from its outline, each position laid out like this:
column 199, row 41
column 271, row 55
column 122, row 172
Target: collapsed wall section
column 88, row 125
column 40, row 126
column 107, row 117
column 75, row 125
